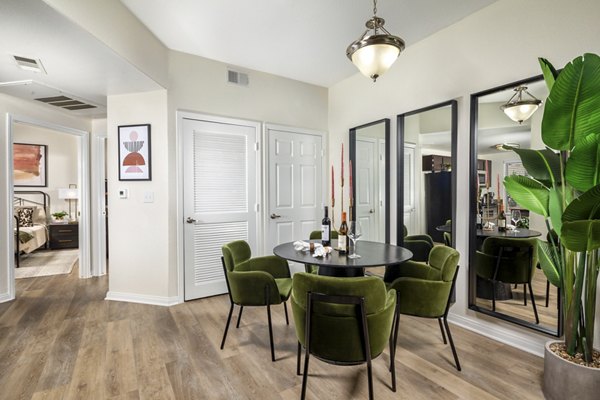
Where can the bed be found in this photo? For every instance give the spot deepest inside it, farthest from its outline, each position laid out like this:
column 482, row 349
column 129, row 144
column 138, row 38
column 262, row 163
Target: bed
column 31, row 222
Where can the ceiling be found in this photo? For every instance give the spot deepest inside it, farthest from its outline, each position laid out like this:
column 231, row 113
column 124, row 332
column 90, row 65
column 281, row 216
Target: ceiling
column 303, row 40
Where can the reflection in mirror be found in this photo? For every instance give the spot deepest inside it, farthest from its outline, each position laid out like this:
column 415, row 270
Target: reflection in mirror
column 369, row 153
column 428, row 183
column 505, row 278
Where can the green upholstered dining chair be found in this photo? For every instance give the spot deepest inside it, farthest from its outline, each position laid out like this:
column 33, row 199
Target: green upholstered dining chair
column 425, row 290
column 343, row 321
column 316, row 235
column 508, row 260
column 419, row 245
column 259, row 281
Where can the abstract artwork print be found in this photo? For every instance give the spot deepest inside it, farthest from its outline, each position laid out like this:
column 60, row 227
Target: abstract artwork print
column 134, row 153
column 29, row 164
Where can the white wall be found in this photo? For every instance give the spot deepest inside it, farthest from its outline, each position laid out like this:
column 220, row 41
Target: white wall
column 19, row 108
column 497, row 45
column 138, row 238
column 62, row 162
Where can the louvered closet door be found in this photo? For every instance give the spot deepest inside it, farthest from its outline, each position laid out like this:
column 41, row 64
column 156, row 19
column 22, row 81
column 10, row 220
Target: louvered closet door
column 220, row 197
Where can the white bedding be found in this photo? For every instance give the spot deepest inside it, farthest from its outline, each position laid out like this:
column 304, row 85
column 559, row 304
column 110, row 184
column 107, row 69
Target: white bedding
column 40, row 236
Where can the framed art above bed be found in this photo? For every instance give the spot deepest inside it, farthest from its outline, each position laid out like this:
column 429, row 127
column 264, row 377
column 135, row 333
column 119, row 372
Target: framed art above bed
column 30, row 162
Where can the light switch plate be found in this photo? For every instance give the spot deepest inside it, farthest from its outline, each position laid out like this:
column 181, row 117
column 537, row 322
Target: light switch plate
column 148, row 197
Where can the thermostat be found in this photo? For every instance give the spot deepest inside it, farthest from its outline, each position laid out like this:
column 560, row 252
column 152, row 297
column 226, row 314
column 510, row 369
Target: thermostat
column 123, row 193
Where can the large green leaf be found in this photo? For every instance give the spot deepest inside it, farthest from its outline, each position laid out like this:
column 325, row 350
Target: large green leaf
column 572, row 109
column 549, row 72
column 583, row 167
column 547, row 262
column 581, row 236
column 528, row 193
column 542, row 165
column 586, row 206
column 555, row 208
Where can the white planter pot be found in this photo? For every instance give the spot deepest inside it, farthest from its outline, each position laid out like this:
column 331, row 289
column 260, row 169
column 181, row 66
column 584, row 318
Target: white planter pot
column 566, row 380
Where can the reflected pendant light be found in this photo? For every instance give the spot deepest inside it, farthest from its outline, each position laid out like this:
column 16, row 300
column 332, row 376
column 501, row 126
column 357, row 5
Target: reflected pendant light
column 519, row 109
column 376, row 50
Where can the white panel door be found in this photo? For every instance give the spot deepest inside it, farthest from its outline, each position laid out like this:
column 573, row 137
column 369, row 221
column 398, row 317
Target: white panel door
column 410, row 218
column 295, row 176
column 220, row 198
column 367, row 192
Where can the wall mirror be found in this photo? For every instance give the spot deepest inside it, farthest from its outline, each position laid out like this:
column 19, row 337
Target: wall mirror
column 426, row 179
column 504, row 278
column 370, row 155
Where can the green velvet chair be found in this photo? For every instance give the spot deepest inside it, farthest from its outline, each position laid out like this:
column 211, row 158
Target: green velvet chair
column 508, row 260
column 343, row 321
column 419, row 245
column 316, row 235
column 259, row 281
column 425, row 290
column 448, row 235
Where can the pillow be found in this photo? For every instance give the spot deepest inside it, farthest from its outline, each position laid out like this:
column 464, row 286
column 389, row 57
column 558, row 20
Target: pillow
column 39, row 216
column 25, row 216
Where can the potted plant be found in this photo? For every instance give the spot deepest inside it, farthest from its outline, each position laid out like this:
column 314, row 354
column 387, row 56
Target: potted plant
column 59, row 217
column 564, row 187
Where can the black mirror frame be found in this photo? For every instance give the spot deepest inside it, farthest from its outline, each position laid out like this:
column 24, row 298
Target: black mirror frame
column 400, row 166
column 352, row 157
column 473, row 186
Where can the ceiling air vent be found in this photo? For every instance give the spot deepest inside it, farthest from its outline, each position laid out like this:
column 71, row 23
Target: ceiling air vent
column 29, row 64
column 65, row 102
column 237, row 78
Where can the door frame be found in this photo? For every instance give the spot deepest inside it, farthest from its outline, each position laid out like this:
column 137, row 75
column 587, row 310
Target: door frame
column 267, row 126
column 83, row 181
column 180, row 219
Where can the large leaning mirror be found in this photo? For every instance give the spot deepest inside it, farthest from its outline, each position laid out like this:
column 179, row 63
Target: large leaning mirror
column 505, row 280
column 426, row 181
column 370, row 154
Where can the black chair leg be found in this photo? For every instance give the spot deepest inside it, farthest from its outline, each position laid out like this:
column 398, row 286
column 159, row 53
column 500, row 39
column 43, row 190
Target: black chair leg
column 537, row 319
column 370, row 378
column 547, row 292
column 442, row 330
column 239, row 317
column 227, row 326
column 287, row 321
column 270, row 332
column 305, row 375
column 298, row 359
column 452, row 344
column 393, row 360
column 524, row 294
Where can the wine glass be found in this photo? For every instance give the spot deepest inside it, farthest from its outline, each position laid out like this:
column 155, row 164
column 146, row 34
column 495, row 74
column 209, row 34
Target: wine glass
column 354, row 233
column 516, row 217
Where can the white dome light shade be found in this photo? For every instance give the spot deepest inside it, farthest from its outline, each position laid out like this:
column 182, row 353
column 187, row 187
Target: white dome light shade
column 375, row 59
column 520, row 110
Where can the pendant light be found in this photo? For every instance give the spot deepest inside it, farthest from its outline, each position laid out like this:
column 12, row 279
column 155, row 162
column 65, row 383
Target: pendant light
column 519, row 109
column 374, row 52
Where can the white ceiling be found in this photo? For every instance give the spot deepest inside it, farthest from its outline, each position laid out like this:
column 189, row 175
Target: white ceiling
column 304, row 40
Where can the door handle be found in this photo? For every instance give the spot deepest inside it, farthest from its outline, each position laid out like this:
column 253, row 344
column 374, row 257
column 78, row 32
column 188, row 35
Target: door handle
column 371, row 211
column 275, row 216
column 190, row 220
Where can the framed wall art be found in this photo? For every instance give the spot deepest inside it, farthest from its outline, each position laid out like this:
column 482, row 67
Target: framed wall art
column 30, row 164
column 134, row 153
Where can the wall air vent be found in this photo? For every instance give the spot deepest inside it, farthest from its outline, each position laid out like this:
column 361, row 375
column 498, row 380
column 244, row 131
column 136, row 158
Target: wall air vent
column 29, row 64
column 65, row 102
column 237, row 78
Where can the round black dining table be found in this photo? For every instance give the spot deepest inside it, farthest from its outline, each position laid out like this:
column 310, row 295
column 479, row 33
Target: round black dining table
column 372, row 254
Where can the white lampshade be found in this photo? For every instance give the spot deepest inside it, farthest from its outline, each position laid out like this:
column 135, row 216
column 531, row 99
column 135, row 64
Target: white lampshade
column 520, row 110
column 375, row 59
column 68, row 193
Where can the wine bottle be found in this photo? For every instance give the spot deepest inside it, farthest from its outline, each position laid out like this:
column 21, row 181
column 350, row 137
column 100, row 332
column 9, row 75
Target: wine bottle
column 342, row 232
column 326, row 229
column 501, row 217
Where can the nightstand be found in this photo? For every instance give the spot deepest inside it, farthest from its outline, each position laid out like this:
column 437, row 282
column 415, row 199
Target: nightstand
column 64, row 236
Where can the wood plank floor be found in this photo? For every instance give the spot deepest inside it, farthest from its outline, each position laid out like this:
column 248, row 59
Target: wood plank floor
column 61, row 340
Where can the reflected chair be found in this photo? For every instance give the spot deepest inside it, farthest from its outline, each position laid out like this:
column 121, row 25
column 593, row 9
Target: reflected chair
column 316, row 235
column 343, row 321
column 508, row 260
column 448, row 235
column 259, row 281
column 425, row 289
column 419, row 245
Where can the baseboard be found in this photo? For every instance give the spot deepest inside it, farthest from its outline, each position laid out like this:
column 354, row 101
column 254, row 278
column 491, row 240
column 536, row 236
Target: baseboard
column 143, row 299
column 4, row 297
column 530, row 343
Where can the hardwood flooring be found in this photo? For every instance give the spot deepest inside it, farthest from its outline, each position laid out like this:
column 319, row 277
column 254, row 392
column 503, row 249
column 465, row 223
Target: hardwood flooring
column 61, row 340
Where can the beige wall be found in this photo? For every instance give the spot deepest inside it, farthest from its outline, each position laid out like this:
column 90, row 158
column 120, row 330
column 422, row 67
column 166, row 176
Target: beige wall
column 497, row 45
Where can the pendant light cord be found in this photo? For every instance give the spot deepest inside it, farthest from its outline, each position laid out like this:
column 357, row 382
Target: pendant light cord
column 374, row 7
